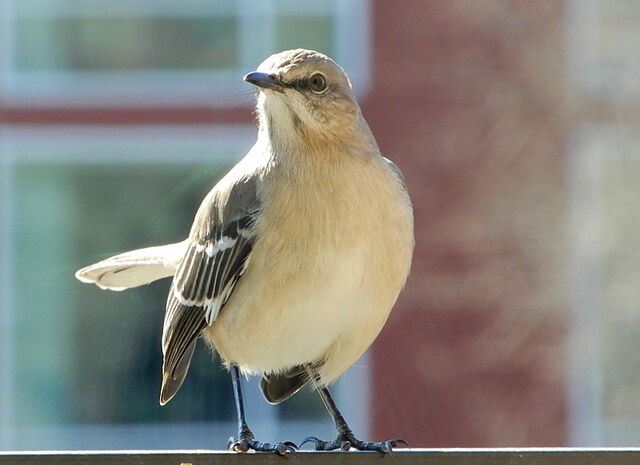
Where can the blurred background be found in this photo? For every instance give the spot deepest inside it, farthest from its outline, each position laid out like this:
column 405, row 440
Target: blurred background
column 515, row 123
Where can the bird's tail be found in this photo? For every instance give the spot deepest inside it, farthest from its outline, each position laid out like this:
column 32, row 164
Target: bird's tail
column 135, row 268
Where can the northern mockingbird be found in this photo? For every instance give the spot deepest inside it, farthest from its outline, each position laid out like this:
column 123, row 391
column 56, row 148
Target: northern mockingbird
column 295, row 258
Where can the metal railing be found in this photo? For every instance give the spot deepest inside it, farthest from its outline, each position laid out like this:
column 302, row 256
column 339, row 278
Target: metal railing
column 525, row 456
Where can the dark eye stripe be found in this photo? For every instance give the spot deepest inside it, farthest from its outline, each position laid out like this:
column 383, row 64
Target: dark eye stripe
column 303, row 85
column 299, row 84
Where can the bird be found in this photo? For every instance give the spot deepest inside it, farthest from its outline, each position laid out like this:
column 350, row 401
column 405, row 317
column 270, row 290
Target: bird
column 295, row 257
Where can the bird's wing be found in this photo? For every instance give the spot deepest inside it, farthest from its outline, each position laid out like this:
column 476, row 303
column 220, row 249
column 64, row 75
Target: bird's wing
column 218, row 253
column 396, row 171
column 278, row 387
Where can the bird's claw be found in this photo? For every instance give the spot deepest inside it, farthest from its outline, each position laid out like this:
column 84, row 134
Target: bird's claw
column 245, row 445
column 397, row 442
column 347, row 443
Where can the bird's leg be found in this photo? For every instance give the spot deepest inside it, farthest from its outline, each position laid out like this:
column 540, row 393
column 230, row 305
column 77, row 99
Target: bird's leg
column 346, row 439
column 246, row 440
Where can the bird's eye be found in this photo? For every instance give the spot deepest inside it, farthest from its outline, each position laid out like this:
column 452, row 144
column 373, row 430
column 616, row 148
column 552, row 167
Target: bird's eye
column 317, row 83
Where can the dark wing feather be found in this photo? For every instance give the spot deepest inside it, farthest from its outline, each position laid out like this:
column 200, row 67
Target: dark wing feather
column 221, row 242
column 279, row 387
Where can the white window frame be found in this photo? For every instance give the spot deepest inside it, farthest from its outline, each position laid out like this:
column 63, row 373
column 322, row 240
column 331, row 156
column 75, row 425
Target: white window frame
column 152, row 144
column 170, row 87
column 588, row 426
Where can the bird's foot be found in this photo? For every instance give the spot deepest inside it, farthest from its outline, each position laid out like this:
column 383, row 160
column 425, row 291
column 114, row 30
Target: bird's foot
column 247, row 442
column 348, row 441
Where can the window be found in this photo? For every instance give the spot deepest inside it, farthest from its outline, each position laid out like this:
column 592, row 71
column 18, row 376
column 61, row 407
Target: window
column 605, row 363
column 81, row 367
column 604, row 175
column 602, row 48
column 162, row 52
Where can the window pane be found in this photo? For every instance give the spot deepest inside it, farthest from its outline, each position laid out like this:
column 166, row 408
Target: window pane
column 87, row 356
column 126, row 43
column 603, row 48
column 312, row 32
column 621, row 275
column 605, row 185
column 305, row 405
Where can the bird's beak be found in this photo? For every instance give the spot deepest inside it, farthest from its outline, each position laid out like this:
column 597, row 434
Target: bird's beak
column 264, row 81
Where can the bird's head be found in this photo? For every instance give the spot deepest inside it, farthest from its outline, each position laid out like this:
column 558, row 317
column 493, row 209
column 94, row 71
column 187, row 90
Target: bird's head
column 305, row 97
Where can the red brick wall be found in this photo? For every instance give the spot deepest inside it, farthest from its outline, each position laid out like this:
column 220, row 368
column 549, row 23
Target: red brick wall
column 468, row 100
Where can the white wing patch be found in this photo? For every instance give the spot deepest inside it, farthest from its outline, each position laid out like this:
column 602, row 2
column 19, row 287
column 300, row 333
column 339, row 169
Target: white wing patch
column 213, row 248
column 211, row 269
